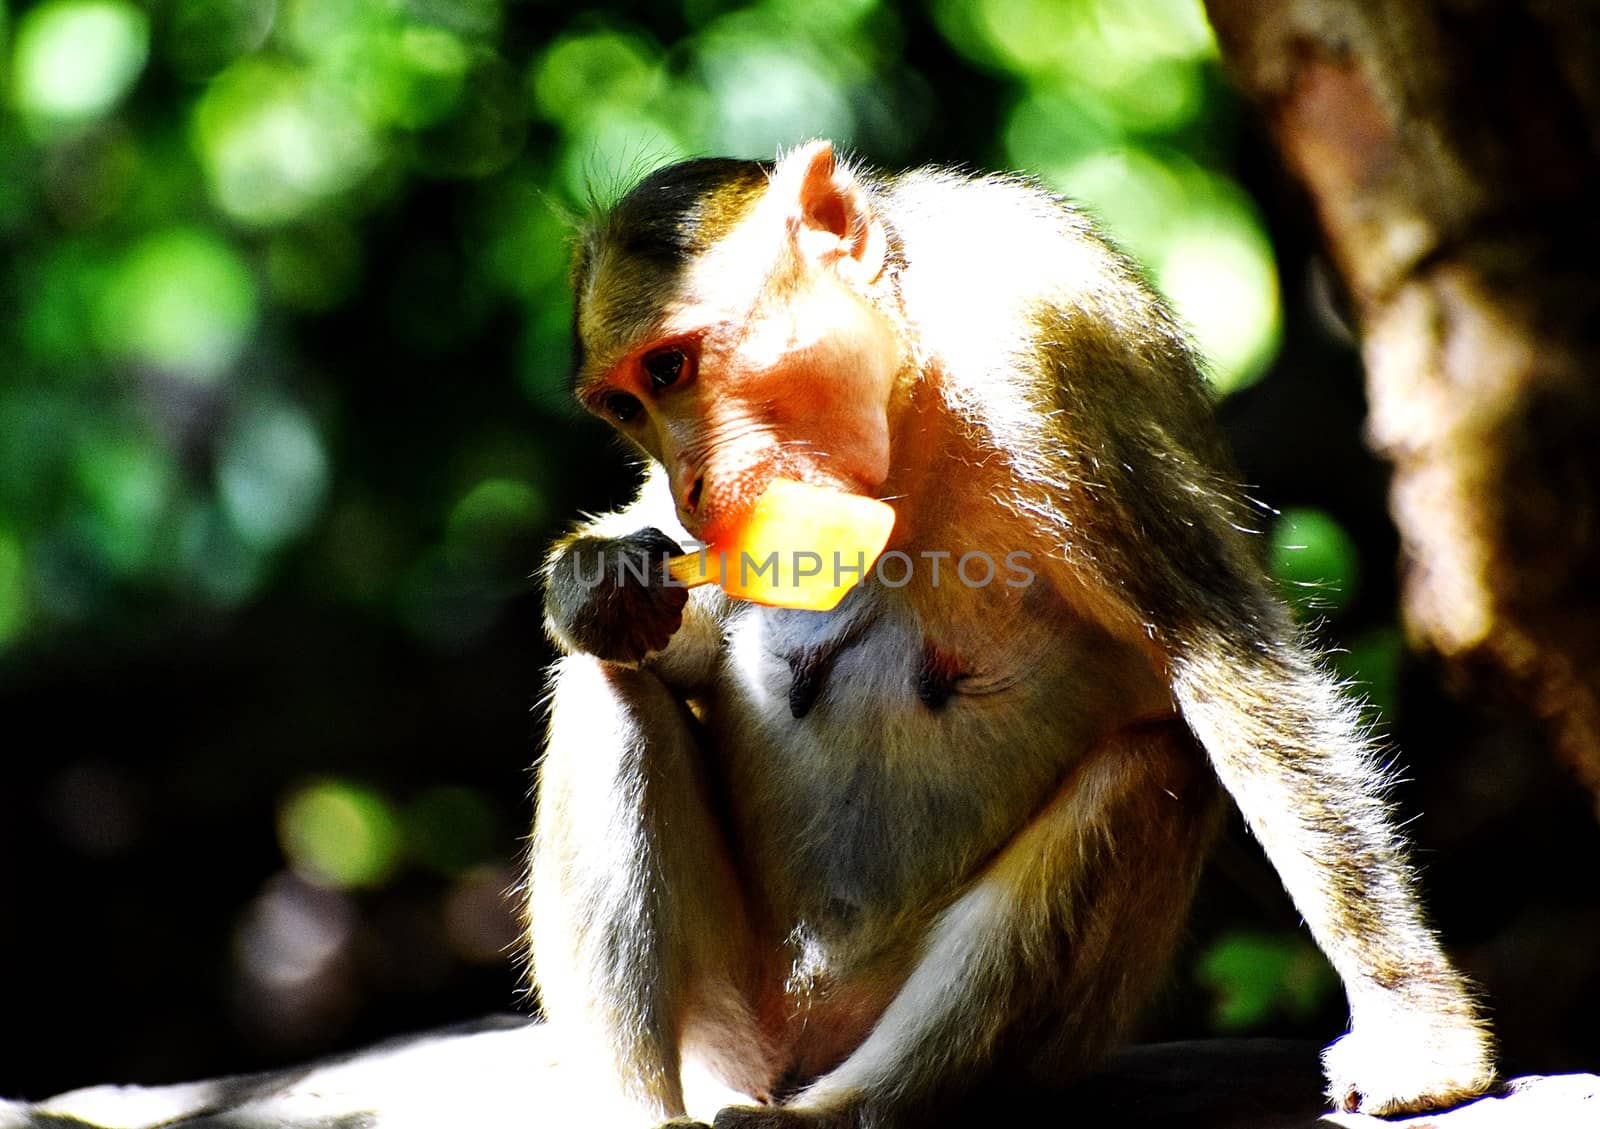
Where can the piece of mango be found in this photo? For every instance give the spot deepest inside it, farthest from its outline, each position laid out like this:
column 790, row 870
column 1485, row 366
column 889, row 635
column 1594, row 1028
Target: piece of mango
column 800, row 546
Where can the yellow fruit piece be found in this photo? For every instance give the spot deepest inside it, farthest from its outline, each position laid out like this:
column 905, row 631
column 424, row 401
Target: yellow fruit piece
column 801, row 547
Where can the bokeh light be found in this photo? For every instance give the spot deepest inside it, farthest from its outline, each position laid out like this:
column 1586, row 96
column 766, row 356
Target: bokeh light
column 72, row 60
column 14, row 605
column 497, row 508
column 1254, row 976
column 191, row 230
column 1371, row 663
column 203, row 36
column 272, row 473
column 339, row 833
column 1315, row 560
column 181, row 300
column 129, row 485
column 275, row 141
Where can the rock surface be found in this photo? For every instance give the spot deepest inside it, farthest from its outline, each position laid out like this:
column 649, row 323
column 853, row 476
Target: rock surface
column 506, row 1072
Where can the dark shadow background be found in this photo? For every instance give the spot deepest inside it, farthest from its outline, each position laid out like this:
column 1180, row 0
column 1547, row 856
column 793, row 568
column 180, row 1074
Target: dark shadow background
column 283, row 331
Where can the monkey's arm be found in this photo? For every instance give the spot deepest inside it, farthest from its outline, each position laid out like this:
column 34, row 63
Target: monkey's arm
column 1152, row 529
column 638, row 927
column 1290, row 749
column 593, row 605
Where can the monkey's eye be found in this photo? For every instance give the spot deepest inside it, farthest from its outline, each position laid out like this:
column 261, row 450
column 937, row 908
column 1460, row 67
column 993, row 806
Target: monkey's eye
column 621, row 407
column 664, row 367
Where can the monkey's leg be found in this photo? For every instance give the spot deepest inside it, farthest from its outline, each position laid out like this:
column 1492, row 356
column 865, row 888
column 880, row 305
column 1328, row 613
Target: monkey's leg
column 1290, row 750
column 1065, row 932
column 634, row 908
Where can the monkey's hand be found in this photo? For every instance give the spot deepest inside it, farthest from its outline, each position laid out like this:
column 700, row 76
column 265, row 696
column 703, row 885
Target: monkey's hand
column 609, row 597
column 1409, row 1067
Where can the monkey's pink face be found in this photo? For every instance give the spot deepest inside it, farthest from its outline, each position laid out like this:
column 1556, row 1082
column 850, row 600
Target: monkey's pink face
column 799, row 386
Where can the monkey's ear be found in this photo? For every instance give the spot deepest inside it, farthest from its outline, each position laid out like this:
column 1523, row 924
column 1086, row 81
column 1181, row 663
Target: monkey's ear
column 831, row 221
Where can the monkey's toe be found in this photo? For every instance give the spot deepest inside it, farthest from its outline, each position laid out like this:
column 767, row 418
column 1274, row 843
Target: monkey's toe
column 781, row 1117
column 751, row 1117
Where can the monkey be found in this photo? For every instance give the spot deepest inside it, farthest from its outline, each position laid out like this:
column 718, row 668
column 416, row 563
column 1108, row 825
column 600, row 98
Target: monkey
column 860, row 862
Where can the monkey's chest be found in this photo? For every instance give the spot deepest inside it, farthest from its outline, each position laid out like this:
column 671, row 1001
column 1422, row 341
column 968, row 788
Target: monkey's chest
column 880, row 757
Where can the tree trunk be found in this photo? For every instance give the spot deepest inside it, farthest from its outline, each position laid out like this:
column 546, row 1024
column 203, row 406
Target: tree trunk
column 1451, row 150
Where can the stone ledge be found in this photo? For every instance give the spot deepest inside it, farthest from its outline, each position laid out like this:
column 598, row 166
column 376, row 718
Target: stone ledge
column 505, row 1072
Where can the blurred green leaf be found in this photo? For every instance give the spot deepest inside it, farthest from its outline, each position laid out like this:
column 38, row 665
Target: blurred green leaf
column 545, row 367
column 770, row 87
column 14, row 603
column 203, row 36
column 61, row 295
column 1221, row 278
column 451, row 830
column 128, row 483
column 494, row 509
column 1315, row 560
column 526, row 241
column 585, row 75
column 276, row 140
column 1256, row 976
column 339, row 833
column 272, row 473
column 181, row 300
column 1203, row 242
column 836, row 18
column 214, row 559
column 39, row 429
column 72, row 60
column 314, row 266
column 427, row 75
column 1104, row 41
column 17, row 187
column 1372, row 663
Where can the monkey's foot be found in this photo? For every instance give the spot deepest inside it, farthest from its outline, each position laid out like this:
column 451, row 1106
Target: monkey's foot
column 1408, row 1068
column 786, row 1117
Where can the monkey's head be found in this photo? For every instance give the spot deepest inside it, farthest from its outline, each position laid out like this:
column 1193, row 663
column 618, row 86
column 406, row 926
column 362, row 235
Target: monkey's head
column 735, row 321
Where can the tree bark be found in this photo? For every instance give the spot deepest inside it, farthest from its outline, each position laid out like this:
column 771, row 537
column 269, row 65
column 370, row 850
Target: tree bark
column 1450, row 149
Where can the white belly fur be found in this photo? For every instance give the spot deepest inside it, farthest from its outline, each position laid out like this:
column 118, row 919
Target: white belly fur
column 873, row 805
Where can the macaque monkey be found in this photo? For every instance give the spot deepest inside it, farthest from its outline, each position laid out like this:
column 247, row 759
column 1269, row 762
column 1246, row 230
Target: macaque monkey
column 857, row 862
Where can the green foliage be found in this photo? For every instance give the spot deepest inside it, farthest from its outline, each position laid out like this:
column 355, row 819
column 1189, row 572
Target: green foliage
column 1371, row 663
column 180, row 300
column 13, row 591
column 348, row 834
column 286, row 303
column 1255, row 977
column 338, row 833
column 206, row 203
column 451, row 829
column 1315, row 560
column 73, row 60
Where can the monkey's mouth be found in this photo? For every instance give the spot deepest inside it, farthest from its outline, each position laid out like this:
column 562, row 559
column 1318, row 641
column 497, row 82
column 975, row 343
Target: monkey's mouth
column 722, row 496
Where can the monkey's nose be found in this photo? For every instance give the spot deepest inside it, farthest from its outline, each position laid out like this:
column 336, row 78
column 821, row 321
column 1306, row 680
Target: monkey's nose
column 691, row 498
